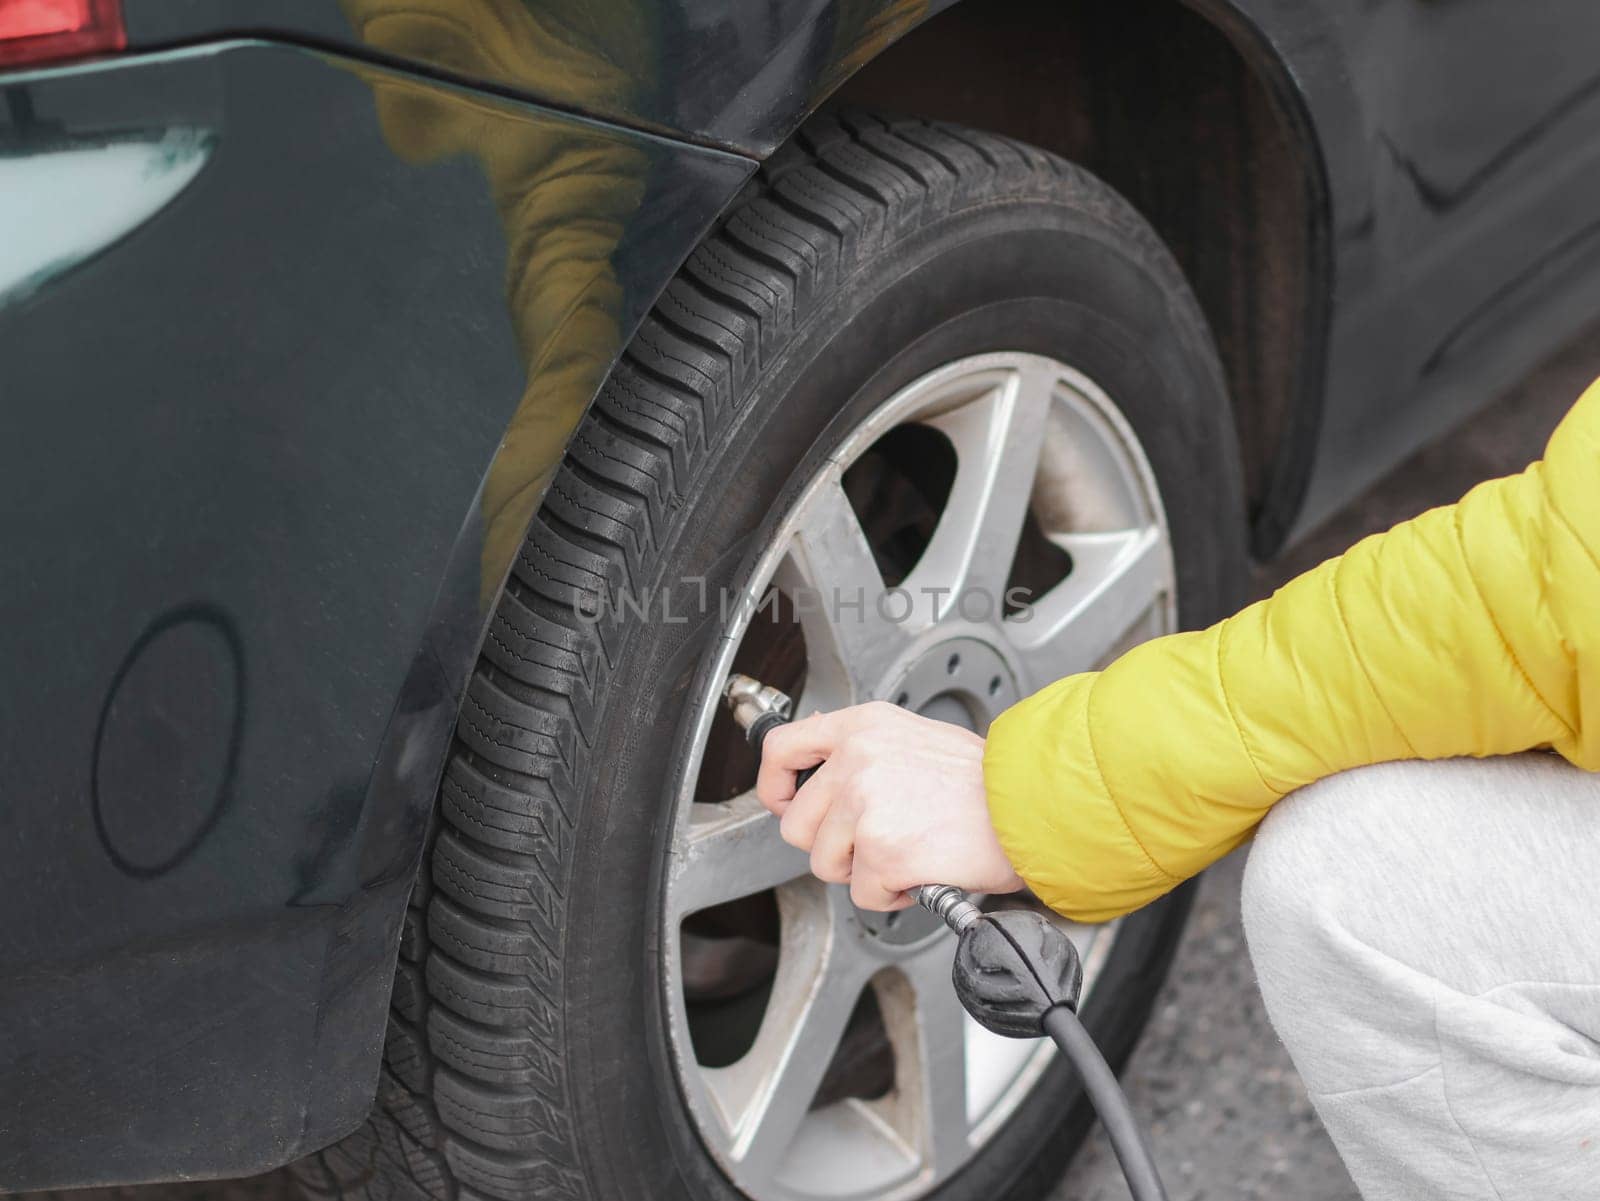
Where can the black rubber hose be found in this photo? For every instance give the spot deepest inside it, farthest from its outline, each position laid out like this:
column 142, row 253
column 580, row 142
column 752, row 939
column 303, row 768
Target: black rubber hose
column 1127, row 1140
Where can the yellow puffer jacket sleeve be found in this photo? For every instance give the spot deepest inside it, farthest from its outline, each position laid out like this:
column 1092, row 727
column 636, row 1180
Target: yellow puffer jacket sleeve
column 1472, row 630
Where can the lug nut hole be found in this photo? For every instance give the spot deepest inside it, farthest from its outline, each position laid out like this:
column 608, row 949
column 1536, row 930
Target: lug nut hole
column 902, row 699
column 994, row 685
column 954, row 664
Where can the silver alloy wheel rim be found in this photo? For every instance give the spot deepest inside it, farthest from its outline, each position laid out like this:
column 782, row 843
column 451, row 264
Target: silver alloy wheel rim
column 1029, row 434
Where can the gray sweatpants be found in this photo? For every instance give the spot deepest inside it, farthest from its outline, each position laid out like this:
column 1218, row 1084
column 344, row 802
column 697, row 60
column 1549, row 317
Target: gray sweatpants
column 1427, row 938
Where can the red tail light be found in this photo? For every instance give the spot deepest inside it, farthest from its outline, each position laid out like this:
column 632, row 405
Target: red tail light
column 34, row 30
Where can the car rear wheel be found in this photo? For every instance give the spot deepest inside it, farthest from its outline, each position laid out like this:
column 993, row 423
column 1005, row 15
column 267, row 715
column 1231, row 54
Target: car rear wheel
column 930, row 418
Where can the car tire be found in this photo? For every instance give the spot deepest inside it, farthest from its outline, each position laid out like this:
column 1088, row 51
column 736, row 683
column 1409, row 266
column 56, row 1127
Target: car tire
column 528, row 1052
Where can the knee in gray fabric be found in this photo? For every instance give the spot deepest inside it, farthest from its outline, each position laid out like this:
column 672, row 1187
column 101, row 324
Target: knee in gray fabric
column 1423, row 936
column 1331, row 927
column 1316, row 856
column 1415, row 859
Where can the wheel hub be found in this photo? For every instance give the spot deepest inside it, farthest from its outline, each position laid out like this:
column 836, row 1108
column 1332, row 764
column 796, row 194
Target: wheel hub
column 965, row 681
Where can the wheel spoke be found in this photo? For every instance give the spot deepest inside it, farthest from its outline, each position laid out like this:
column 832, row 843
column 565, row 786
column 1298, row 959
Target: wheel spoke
column 766, row 1095
column 927, row 1029
column 830, row 575
column 997, row 439
column 1115, row 579
column 733, row 850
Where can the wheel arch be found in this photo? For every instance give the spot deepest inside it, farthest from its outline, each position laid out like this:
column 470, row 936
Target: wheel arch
column 1220, row 156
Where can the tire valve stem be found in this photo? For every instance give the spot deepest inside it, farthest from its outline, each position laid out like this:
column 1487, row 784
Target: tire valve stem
column 751, row 700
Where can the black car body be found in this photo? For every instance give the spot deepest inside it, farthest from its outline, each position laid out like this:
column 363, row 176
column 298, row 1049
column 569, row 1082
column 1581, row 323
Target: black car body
column 300, row 301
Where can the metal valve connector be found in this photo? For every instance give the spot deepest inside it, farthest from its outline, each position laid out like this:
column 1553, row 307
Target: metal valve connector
column 949, row 903
column 750, row 700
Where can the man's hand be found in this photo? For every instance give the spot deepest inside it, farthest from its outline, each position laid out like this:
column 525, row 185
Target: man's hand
column 897, row 801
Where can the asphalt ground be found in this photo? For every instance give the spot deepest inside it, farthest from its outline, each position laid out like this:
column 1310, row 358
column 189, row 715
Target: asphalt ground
column 1227, row 1114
